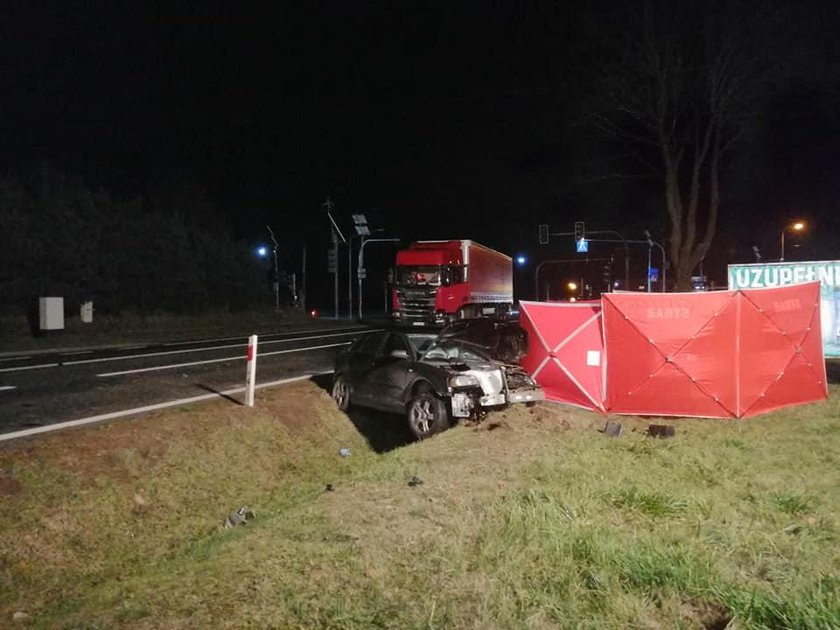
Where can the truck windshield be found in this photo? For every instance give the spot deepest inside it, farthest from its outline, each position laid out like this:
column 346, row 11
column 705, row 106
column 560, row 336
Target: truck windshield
column 418, row 275
column 430, row 275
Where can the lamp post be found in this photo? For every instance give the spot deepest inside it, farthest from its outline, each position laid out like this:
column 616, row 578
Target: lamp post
column 337, row 237
column 262, row 252
column 798, row 226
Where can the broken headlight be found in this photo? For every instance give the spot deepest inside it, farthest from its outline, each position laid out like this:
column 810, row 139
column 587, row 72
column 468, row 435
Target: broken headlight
column 463, row 380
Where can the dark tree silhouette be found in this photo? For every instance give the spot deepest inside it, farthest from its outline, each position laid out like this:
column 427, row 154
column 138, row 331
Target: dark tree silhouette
column 61, row 238
column 678, row 93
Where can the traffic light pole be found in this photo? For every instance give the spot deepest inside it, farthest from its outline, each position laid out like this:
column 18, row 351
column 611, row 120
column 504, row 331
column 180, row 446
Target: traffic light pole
column 335, row 273
column 581, row 234
column 626, row 254
column 559, row 262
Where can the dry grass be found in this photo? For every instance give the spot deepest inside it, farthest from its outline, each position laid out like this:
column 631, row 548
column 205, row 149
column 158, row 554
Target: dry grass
column 532, row 519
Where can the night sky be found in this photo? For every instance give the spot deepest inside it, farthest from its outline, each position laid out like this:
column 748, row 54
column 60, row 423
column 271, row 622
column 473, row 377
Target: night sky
column 436, row 119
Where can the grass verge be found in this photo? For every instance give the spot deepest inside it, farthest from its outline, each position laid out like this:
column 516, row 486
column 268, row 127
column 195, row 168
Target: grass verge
column 532, row 519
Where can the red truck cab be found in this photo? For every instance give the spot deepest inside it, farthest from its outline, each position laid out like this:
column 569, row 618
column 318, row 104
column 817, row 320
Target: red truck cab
column 439, row 281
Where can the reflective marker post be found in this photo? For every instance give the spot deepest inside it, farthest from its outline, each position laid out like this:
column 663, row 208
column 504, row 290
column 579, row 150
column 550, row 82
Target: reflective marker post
column 251, row 371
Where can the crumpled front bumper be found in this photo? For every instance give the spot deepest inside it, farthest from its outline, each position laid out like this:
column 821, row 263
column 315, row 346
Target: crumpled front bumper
column 526, row 396
column 466, row 402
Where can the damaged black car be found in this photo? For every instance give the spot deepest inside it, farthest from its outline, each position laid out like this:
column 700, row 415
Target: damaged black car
column 432, row 380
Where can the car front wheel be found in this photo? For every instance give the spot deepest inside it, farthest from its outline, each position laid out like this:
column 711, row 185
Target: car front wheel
column 426, row 415
column 341, row 393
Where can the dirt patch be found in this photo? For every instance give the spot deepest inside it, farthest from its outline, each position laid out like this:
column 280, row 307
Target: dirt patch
column 706, row 615
column 10, row 486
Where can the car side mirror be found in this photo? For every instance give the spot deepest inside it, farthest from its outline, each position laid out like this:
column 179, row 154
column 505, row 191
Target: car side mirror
column 399, row 354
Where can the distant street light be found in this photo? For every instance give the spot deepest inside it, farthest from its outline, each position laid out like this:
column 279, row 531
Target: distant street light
column 797, row 226
column 521, row 259
column 262, row 252
column 572, row 286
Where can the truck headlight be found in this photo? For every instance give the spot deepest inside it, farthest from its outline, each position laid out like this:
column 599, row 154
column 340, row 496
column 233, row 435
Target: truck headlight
column 463, row 380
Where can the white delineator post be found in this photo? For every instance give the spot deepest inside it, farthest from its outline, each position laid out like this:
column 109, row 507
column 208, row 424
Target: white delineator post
column 251, row 372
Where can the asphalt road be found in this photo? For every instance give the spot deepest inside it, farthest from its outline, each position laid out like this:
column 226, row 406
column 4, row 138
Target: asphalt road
column 50, row 388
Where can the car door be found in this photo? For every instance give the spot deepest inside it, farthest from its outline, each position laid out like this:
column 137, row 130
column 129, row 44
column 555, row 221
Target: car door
column 359, row 364
column 386, row 381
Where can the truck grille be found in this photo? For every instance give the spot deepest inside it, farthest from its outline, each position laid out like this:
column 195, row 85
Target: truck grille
column 416, row 303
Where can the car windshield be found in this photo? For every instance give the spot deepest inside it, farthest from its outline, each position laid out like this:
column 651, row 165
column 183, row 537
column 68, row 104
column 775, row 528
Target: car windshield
column 448, row 350
column 421, row 342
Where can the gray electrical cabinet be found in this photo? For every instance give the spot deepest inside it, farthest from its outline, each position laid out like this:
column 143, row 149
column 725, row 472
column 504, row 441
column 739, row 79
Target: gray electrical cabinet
column 51, row 310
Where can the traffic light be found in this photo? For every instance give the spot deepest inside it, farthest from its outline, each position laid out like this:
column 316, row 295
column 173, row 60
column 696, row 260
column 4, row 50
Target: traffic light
column 332, row 260
column 580, row 231
column 543, row 234
column 608, row 273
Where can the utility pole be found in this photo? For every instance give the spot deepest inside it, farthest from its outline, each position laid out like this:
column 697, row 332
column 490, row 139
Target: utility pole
column 276, row 271
column 350, row 278
column 336, row 235
column 303, row 279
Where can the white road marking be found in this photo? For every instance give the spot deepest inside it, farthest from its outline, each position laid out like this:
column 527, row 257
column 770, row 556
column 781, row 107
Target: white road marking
column 157, row 354
column 236, row 358
column 14, row 359
column 130, row 412
column 184, row 343
column 4, row 388
column 29, row 367
column 236, row 345
column 75, row 354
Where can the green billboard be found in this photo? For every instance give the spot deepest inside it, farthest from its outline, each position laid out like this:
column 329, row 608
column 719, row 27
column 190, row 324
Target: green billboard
column 761, row 275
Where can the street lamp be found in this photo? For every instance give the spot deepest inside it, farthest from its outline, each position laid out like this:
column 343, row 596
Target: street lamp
column 797, row 226
column 521, row 259
column 263, row 251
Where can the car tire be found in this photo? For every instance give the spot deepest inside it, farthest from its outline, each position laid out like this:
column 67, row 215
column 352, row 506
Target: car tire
column 426, row 414
column 341, row 391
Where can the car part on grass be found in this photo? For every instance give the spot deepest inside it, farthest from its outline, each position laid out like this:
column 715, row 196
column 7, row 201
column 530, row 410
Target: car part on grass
column 613, row 429
column 662, row 430
column 239, row 517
